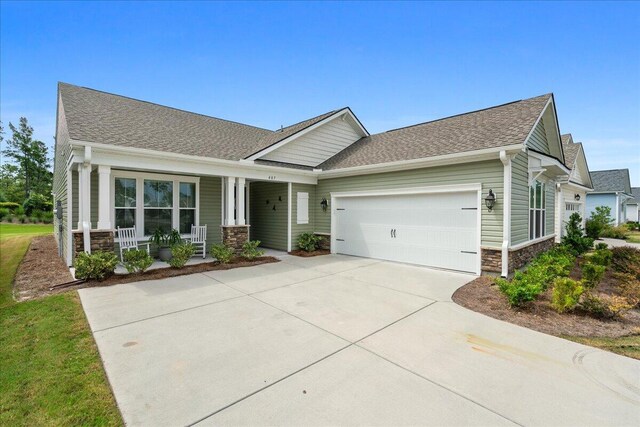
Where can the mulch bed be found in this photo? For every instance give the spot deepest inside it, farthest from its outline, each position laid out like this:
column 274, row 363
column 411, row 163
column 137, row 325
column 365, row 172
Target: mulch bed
column 482, row 296
column 40, row 269
column 305, row 254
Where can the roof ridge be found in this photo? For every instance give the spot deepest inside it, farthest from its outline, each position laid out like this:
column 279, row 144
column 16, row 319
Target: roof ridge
column 310, row 118
column 466, row 113
column 611, row 170
column 161, row 105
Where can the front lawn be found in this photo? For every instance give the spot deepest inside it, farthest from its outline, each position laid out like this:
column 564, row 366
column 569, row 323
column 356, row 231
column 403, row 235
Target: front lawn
column 633, row 237
column 49, row 365
column 627, row 346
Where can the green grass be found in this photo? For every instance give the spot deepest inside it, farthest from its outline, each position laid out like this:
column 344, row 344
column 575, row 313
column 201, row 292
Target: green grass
column 627, row 346
column 50, row 370
column 633, row 237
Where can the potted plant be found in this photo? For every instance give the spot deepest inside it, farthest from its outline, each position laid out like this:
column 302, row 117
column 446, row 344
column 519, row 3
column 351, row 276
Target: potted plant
column 164, row 242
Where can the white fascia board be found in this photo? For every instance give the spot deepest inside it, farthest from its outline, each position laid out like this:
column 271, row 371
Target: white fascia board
column 447, row 159
column 151, row 160
column 337, row 114
column 547, row 160
column 576, row 186
column 455, row 188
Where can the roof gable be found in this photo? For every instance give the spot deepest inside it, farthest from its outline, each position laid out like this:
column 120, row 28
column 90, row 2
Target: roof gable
column 616, row 180
column 313, row 141
column 545, row 135
column 576, row 160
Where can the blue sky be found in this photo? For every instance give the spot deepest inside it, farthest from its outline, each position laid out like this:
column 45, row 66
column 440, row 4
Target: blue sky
column 394, row 64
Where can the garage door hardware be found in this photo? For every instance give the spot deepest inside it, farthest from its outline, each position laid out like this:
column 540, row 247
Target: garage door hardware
column 469, row 252
column 469, row 209
column 340, row 209
column 393, row 233
column 339, row 240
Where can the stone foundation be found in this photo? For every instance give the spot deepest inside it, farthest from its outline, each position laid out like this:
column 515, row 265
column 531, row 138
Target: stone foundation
column 235, row 236
column 492, row 258
column 325, row 243
column 101, row 240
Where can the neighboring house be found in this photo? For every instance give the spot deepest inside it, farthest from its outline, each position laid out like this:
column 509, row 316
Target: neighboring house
column 611, row 188
column 415, row 194
column 574, row 189
column 633, row 205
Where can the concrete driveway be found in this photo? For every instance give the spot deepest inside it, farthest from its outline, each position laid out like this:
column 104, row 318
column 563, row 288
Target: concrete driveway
column 338, row 340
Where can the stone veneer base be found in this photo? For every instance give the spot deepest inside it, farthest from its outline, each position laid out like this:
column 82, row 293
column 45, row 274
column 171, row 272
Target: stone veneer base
column 235, row 236
column 101, row 240
column 518, row 258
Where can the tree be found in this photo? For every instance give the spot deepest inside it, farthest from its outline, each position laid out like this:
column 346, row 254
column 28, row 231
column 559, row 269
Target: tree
column 30, row 157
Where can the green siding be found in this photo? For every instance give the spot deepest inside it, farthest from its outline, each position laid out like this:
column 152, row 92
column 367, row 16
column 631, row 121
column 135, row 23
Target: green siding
column 211, row 208
column 488, row 173
column 297, row 229
column 550, row 213
column 538, row 139
column 268, row 225
column 95, row 199
column 62, row 152
column 520, row 199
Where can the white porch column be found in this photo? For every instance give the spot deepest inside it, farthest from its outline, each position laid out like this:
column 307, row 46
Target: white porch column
column 80, row 194
column 230, row 201
column 559, row 212
column 104, row 197
column 240, row 217
column 506, row 212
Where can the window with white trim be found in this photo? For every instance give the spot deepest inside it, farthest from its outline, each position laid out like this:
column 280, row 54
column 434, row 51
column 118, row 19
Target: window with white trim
column 537, row 210
column 125, row 202
column 158, row 206
column 303, row 208
column 187, row 206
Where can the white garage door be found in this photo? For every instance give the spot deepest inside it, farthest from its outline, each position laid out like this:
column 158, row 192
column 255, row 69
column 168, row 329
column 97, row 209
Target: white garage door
column 437, row 230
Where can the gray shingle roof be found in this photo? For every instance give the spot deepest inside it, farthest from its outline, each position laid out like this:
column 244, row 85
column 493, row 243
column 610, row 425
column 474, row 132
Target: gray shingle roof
column 571, row 150
column 635, row 192
column 611, row 180
column 95, row 116
column 493, row 127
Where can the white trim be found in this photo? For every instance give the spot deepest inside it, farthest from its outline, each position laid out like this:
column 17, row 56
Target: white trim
column 531, row 242
column 548, row 160
column 443, row 160
column 230, row 200
column 338, row 114
column 240, row 186
column 104, row 197
column 459, row 188
column 69, row 217
column 140, row 177
column 506, row 213
column 302, row 214
column 248, row 208
column 456, row 188
column 153, row 160
column 289, row 187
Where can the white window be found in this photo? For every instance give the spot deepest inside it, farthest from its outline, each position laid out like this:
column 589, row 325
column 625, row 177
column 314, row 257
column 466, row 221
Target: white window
column 125, row 202
column 537, row 210
column 153, row 201
column 303, row 208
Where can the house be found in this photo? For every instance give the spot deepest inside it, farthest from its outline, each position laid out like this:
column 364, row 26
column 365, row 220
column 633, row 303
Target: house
column 574, row 189
column 633, row 208
column 612, row 188
column 475, row 192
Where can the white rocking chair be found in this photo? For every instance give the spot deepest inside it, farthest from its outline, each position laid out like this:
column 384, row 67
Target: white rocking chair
column 128, row 239
column 199, row 239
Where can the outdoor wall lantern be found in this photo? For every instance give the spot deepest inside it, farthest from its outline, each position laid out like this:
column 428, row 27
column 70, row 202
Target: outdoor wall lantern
column 324, row 204
column 577, row 197
column 490, row 200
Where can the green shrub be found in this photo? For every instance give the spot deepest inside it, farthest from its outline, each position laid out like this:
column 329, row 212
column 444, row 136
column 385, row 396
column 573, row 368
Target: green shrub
column 22, row 218
column 97, row 265
column 601, row 246
column 633, row 225
column 626, row 260
column 601, row 257
column 4, row 213
column 619, row 232
column 48, row 217
column 10, row 205
column 180, row 254
column 629, row 287
column 592, row 274
column 574, row 236
column 137, row 261
column 519, row 291
column 309, row 242
column 37, row 202
column 222, row 253
column 593, row 229
column 250, row 249
column 34, row 220
column 566, row 294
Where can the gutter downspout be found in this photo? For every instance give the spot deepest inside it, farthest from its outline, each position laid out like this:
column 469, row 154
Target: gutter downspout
column 506, row 215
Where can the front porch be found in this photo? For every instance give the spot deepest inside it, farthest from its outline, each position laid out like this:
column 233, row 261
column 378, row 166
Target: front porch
column 103, row 197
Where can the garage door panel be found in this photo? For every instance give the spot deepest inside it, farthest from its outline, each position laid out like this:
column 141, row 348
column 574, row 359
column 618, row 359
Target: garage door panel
column 438, row 230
